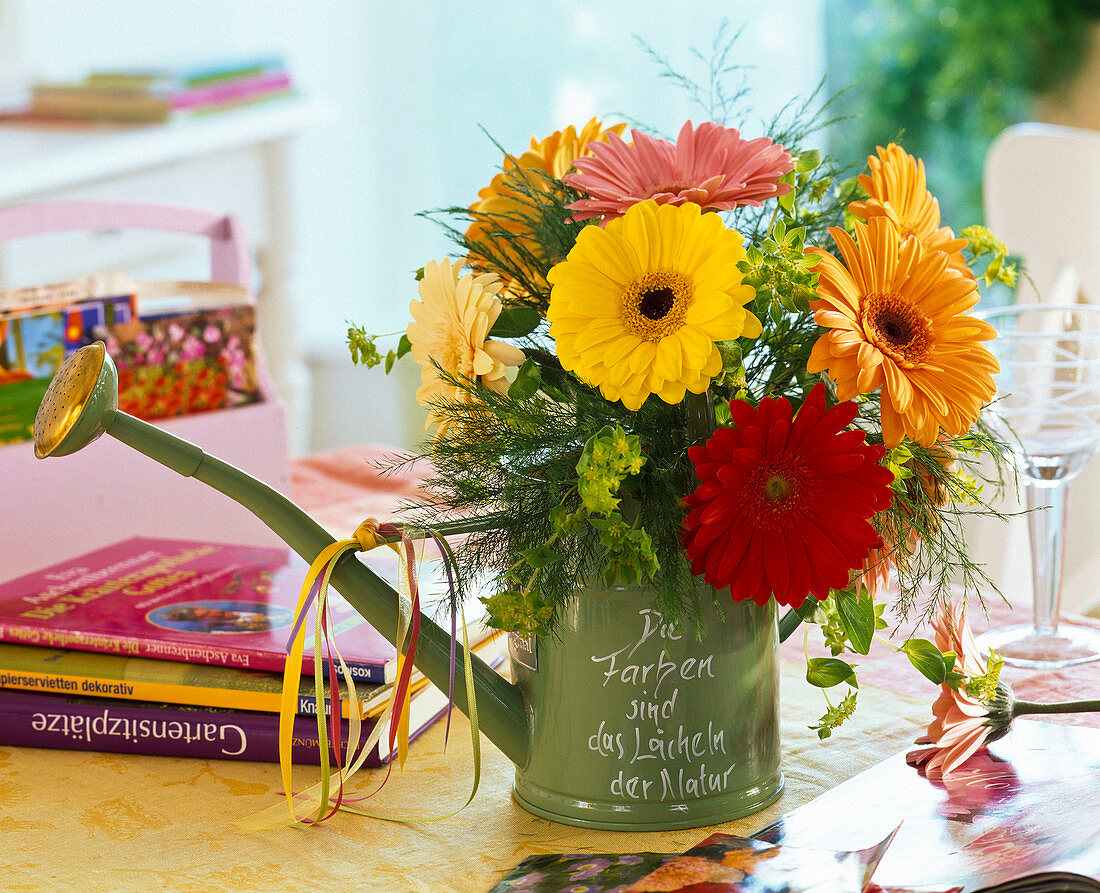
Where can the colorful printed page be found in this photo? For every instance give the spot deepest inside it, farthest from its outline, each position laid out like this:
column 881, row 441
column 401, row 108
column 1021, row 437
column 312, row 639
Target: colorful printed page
column 184, row 362
column 720, row 863
column 1022, row 814
column 588, row 872
column 735, row 864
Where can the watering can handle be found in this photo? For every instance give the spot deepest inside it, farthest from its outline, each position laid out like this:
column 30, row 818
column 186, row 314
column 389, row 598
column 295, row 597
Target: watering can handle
column 502, row 713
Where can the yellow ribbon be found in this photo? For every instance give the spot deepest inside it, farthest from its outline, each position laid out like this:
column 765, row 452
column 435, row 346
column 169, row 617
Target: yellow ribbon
column 318, row 798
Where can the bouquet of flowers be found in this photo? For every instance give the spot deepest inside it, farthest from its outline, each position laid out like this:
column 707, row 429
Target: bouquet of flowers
column 710, row 360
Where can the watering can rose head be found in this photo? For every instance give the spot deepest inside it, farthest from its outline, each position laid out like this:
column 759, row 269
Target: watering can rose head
column 669, row 364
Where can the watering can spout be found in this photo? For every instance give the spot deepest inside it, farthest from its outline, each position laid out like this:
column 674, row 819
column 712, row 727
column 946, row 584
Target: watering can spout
column 81, row 403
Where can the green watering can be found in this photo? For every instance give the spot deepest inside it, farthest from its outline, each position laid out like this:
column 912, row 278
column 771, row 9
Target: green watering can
column 616, row 722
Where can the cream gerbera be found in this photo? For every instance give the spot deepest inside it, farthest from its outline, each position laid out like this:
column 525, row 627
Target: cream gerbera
column 709, row 165
column 898, row 191
column 451, row 323
column 897, row 320
column 637, row 306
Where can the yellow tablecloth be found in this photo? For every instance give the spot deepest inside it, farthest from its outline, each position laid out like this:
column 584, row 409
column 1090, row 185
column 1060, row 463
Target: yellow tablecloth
column 90, row 821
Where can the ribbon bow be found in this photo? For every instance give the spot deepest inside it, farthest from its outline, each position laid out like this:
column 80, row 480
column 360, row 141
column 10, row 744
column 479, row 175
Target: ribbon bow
column 319, row 802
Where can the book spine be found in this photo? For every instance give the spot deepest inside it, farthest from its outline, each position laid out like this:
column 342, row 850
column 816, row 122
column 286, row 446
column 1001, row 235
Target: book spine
column 30, row 720
column 164, row 692
column 216, row 94
column 189, row 652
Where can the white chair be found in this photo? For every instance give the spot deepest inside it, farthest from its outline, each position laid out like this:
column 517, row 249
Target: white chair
column 1042, row 198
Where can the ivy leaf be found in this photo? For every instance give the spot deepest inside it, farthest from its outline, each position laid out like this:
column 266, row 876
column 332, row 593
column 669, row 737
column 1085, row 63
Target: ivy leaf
column 515, row 322
column 825, row 672
column 527, row 382
column 857, row 616
column 927, row 658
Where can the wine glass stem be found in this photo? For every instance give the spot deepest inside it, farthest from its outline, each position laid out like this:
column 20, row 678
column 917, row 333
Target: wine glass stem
column 1046, row 504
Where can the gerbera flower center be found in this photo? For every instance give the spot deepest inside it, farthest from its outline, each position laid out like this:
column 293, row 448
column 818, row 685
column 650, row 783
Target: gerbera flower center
column 778, row 488
column 655, row 304
column 896, row 328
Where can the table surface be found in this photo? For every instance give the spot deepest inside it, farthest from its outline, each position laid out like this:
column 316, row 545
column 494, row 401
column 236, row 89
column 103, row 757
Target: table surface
column 117, row 822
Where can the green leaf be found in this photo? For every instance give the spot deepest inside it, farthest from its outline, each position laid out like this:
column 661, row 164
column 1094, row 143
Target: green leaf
column 825, row 672
column 857, row 616
column 927, row 658
column 541, row 556
column 527, row 382
column 404, row 345
column 515, row 322
column 391, row 358
column 807, row 161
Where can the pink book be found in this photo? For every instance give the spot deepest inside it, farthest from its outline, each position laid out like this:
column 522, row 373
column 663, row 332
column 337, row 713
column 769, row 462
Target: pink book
column 183, row 600
column 231, row 91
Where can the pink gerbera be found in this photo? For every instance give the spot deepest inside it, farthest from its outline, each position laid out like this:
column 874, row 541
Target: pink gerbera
column 961, row 724
column 711, row 166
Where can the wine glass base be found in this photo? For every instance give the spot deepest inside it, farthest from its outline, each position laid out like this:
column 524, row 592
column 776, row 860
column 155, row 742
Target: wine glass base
column 1043, row 648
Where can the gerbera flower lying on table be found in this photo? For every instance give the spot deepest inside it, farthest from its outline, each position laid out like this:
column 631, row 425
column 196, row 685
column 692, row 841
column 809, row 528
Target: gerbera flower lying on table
column 671, row 365
column 975, row 707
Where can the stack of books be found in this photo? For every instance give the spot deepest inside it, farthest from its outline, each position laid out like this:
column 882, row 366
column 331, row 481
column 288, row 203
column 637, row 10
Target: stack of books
column 177, row 647
column 157, row 96
column 188, row 352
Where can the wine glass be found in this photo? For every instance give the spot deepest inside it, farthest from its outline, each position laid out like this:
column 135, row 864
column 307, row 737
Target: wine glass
column 1048, row 412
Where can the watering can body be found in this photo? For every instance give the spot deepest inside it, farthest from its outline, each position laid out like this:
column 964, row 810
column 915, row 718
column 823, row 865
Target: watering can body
column 636, row 726
column 615, row 721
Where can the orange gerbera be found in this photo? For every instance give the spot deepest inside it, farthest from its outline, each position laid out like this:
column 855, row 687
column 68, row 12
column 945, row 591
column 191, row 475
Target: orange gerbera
column 897, row 190
column 506, row 203
column 897, row 320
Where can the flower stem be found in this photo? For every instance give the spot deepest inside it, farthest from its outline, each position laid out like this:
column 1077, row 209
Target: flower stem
column 788, row 623
column 700, row 417
column 1023, row 708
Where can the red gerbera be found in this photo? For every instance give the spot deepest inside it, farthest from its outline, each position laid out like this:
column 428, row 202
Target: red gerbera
column 785, row 503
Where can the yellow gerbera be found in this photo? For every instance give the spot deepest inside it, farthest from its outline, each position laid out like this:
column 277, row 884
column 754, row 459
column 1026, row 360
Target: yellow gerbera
column 505, row 202
column 896, row 315
column 451, row 322
column 897, row 190
column 638, row 305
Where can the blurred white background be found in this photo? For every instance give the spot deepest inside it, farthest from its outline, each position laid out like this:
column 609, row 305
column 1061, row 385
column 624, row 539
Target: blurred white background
column 411, row 87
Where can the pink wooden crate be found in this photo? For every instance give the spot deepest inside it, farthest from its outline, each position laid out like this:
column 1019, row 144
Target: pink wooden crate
column 60, row 507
